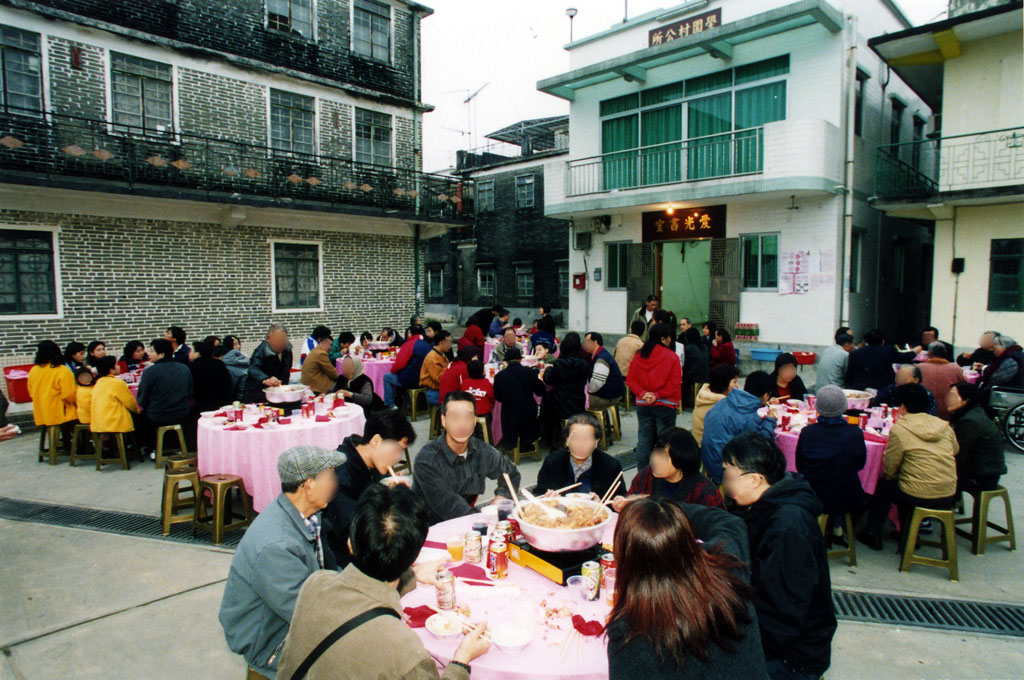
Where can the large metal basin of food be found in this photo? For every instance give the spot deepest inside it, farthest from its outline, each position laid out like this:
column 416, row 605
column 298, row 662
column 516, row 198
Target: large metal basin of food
column 284, row 394
column 563, row 538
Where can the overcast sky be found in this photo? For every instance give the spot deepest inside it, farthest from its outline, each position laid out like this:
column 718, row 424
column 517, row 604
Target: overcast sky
column 510, row 46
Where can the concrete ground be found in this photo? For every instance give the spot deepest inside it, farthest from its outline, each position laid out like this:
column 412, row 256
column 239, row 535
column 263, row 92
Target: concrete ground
column 86, row 604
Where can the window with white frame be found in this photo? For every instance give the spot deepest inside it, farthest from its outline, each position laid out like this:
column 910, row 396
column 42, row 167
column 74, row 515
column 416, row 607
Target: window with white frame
column 485, row 196
column 141, row 93
column 524, row 280
column 485, row 281
column 373, row 137
column 28, row 277
column 524, row 191
column 291, row 16
column 21, row 72
column 760, row 259
column 371, row 30
column 297, row 273
column 563, row 278
column 291, row 122
column 435, row 282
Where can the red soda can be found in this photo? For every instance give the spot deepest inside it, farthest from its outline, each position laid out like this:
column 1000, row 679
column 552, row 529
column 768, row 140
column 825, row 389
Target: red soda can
column 516, row 534
column 863, row 421
column 785, row 422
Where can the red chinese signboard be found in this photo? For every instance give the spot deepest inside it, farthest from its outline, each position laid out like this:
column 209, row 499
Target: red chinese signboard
column 684, row 223
column 685, row 28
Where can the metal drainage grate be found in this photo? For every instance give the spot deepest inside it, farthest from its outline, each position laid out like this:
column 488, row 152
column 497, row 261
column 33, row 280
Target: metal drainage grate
column 923, row 612
column 126, row 524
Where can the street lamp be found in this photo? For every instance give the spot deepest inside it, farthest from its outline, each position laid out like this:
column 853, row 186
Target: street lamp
column 571, row 13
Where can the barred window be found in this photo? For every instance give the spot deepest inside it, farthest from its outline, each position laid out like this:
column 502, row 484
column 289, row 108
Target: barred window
column 28, row 281
column 296, row 275
column 291, row 122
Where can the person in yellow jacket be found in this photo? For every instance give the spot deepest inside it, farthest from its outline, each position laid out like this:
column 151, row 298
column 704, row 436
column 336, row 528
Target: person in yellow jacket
column 83, row 395
column 52, row 387
column 112, row 401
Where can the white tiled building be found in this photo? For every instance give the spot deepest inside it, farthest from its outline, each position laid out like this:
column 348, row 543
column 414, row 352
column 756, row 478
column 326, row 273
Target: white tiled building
column 748, row 117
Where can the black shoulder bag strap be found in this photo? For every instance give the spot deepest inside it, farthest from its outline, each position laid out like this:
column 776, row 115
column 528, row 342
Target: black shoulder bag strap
column 338, row 633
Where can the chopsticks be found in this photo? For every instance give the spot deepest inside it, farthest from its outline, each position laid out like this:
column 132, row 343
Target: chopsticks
column 551, row 512
column 512, row 490
column 611, row 494
column 574, row 638
column 612, row 489
column 462, row 619
column 566, row 488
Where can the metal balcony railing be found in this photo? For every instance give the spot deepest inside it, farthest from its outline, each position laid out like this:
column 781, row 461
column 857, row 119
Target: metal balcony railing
column 56, row 149
column 730, row 154
column 925, row 167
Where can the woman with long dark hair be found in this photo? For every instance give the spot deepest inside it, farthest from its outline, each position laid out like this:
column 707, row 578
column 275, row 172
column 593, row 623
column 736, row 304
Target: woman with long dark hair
column 133, row 357
column 53, row 388
column 74, row 356
column 682, row 611
column 656, row 379
column 787, row 384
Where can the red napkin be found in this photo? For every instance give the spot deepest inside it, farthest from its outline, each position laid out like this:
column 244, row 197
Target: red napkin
column 418, row 615
column 338, row 403
column 591, row 628
column 258, row 426
column 470, row 571
column 262, row 420
column 323, row 419
column 284, row 421
column 233, row 428
column 435, row 544
column 872, row 437
column 219, row 414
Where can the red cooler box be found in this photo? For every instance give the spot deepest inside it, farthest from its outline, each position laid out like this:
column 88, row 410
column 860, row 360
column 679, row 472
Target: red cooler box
column 17, row 383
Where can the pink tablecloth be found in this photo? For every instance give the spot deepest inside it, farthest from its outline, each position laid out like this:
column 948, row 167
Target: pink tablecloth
column 252, row 454
column 869, row 474
column 375, row 369
column 522, row 602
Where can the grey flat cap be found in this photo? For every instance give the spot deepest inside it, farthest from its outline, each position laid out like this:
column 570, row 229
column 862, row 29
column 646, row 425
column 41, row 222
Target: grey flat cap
column 300, row 463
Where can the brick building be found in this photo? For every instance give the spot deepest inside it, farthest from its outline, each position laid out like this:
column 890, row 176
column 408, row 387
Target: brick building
column 512, row 254
column 217, row 165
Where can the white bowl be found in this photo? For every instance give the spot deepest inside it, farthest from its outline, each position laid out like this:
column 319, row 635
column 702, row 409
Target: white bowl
column 444, row 626
column 564, row 540
column 284, row 394
column 490, row 513
column 511, row 637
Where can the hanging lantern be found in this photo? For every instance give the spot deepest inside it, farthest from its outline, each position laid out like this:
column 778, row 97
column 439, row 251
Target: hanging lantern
column 367, row 188
column 349, row 186
column 251, row 173
column 73, row 150
column 313, row 181
column 293, row 178
column 102, row 154
column 11, row 142
column 157, row 161
column 230, row 170
column 181, row 164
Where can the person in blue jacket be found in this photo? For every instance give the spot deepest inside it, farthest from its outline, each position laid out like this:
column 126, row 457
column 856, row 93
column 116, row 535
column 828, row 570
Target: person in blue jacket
column 734, row 415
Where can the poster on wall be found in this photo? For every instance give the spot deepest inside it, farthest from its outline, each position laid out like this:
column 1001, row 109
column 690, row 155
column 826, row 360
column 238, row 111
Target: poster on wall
column 795, row 272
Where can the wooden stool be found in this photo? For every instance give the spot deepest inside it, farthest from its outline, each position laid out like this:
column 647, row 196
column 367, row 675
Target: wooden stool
column 415, row 396
column 161, row 432
column 405, row 464
column 824, row 521
column 253, row 675
column 980, row 524
column 180, row 460
column 76, row 436
column 629, row 399
column 613, row 422
column 224, row 518
column 518, row 453
column 435, row 422
column 482, row 422
column 947, row 544
column 51, row 432
column 604, row 427
column 174, row 499
column 122, row 456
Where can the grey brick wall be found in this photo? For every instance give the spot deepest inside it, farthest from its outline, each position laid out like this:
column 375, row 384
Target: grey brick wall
column 127, row 279
column 217, row 106
column 336, row 129
column 77, row 91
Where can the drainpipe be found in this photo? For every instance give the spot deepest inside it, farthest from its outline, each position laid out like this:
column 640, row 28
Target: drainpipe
column 845, row 241
column 418, row 305
column 416, row 115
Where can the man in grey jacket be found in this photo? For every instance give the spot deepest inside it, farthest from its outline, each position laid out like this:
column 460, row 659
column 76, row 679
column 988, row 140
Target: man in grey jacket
column 279, row 551
column 834, row 361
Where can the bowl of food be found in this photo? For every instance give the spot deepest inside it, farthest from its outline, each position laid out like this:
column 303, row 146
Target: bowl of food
column 857, row 399
column 284, row 394
column 575, row 523
column 511, row 637
column 442, row 625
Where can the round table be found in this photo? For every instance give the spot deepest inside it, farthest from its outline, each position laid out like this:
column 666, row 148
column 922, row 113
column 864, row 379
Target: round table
column 375, row 369
column 491, row 343
column 519, row 597
column 252, row 453
column 869, row 474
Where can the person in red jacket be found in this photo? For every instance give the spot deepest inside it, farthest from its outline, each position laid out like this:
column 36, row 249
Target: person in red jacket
column 472, row 337
column 723, row 352
column 480, row 387
column 655, row 377
column 453, row 376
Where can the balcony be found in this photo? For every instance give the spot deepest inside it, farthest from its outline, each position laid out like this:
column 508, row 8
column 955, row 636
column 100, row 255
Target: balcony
column 977, row 165
column 94, row 155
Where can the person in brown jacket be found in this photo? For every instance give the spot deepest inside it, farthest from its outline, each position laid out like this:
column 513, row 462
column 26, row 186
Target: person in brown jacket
column 722, row 379
column 920, row 465
column 318, row 372
column 388, row 531
column 939, row 375
column 628, row 346
column 434, row 364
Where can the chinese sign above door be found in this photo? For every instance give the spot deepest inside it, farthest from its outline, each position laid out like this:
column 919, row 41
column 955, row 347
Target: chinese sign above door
column 684, row 223
column 685, row 27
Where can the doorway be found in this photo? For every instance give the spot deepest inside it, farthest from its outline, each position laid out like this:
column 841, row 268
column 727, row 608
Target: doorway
column 685, row 278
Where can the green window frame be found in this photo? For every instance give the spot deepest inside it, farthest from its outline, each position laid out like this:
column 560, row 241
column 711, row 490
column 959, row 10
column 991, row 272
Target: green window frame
column 616, row 265
column 297, row 276
column 759, row 255
column 21, row 72
column 28, row 276
column 1006, row 275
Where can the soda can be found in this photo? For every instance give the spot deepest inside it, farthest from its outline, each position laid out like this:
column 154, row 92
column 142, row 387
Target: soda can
column 607, row 562
column 504, row 531
column 445, row 585
column 785, row 422
column 516, row 533
column 497, row 559
column 591, row 573
column 863, row 421
column 609, row 586
column 473, row 549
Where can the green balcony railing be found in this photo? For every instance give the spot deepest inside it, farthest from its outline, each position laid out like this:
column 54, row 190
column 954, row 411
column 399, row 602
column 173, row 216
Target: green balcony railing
column 974, row 161
column 61, row 150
